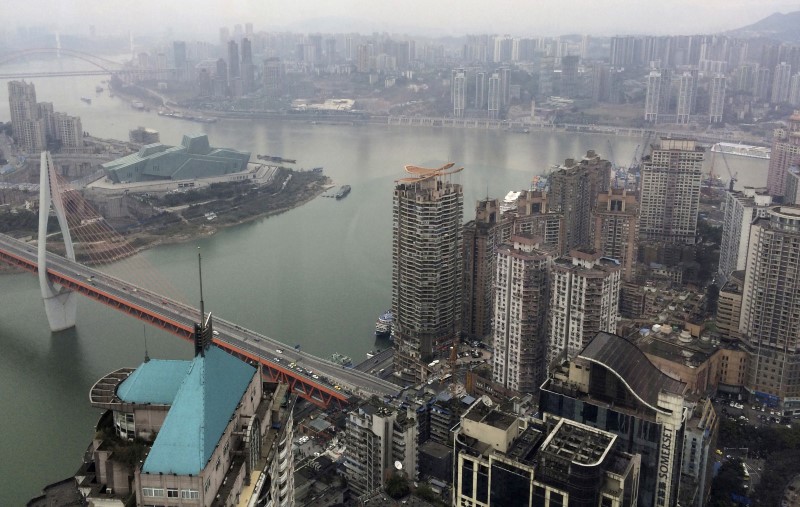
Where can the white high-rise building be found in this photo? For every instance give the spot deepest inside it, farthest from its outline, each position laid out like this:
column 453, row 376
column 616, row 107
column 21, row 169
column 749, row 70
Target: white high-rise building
column 794, row 90
column 495, row 96
column 685, row 98
column 716, row 98
column 69, row 130
column 781, row 81
column 584, row 299
column 740, row 209
column 670, row 195
column 28, row 129
column 770, row 320
column 653, row 100
column 459, row 91
column 520, row 308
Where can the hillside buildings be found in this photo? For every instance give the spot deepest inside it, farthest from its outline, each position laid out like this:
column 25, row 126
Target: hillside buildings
column 427, row 267
column 670, row 192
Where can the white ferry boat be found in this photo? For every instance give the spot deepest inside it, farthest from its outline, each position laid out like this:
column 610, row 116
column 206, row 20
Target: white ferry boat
column 742, row 150
column 383, row 327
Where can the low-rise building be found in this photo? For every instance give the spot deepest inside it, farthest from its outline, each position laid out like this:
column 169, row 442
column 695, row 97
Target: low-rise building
column 503, row 460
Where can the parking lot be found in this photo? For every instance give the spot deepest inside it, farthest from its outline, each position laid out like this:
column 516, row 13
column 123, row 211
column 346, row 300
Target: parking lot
column 755, row 414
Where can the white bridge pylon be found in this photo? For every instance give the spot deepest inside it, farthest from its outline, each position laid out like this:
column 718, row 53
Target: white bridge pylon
column 60, row 304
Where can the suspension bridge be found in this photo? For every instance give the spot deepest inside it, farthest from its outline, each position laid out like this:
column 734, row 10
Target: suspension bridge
column 62, row 279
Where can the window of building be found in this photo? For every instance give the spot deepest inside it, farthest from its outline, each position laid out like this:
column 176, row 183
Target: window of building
column 157, row 492
column 172, row 493
column 190, row 494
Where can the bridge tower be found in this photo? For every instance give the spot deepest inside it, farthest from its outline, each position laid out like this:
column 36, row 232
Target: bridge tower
column 59, row 303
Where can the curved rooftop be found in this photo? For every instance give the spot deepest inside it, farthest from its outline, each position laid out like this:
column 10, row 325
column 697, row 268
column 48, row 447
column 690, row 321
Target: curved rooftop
column 632, row 367
column 194, row 158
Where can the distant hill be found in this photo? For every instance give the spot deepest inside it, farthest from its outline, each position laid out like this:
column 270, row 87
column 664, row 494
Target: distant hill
column 778, row 26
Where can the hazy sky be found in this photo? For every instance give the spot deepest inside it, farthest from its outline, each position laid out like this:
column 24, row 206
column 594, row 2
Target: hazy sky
column 448, row 17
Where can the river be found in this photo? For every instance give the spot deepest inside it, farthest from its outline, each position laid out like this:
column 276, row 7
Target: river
column 317, row 276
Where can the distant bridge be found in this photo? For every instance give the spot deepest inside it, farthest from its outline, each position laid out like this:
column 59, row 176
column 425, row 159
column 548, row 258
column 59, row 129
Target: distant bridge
column 103, row 66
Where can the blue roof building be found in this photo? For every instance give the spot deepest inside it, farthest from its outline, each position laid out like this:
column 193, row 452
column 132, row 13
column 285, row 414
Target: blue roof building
column 193, row 159
column 212, row 433
column 211, row 389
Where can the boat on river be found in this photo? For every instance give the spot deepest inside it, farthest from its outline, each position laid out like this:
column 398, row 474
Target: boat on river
column 343, row 191
column 341, row 359
column 742, row 150
column 383, row 326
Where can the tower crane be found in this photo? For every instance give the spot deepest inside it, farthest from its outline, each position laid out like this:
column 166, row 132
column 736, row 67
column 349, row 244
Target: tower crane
column 734, row 177
column 614, row 168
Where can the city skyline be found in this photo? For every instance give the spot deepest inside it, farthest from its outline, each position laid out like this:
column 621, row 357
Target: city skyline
column 546, row 18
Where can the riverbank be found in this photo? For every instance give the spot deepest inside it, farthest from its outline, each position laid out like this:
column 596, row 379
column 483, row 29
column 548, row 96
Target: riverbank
column 298, row 188
column 145, row 240
column 518, row 125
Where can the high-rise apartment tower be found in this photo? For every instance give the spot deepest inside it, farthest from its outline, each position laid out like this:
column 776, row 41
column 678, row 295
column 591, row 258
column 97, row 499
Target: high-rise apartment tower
column 670, row 197
column 427, row 266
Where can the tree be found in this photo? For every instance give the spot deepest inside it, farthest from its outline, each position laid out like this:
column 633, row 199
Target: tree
column 729, row 480
column 397, row 486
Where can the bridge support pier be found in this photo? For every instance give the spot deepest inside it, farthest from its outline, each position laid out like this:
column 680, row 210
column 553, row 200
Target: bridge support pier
column 60, row 304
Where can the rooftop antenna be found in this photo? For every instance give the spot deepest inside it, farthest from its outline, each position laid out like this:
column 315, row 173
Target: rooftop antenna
column 202, row 329
column 144, row 332
column 200, row 270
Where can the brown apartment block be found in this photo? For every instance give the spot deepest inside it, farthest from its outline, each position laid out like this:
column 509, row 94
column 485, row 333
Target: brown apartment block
column 615, row 228
column 483, row 236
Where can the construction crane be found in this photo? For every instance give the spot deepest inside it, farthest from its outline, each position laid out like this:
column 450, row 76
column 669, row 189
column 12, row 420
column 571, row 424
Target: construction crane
column 614, row 168
column 734, row 177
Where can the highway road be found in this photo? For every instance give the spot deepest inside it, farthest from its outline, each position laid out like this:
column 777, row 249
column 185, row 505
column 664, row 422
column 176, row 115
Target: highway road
column 315, row 370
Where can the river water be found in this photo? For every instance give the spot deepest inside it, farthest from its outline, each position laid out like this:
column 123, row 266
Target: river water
column 317, row 276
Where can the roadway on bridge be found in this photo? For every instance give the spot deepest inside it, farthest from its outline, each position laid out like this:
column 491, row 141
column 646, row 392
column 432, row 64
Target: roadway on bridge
column 315, row 370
